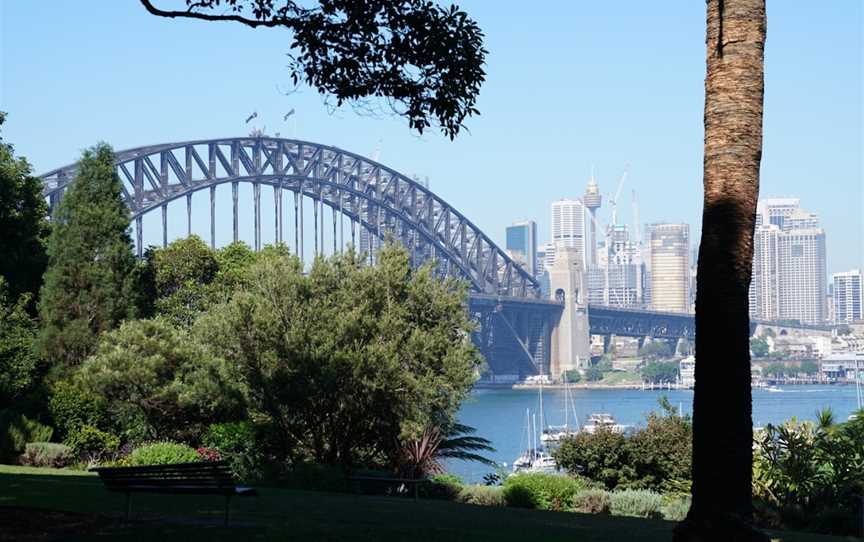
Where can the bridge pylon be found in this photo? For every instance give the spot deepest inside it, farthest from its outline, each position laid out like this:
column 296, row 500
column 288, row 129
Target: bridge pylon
column 571, row 339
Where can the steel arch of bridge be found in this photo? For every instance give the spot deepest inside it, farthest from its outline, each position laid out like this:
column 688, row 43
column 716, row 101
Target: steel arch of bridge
column 376, row 197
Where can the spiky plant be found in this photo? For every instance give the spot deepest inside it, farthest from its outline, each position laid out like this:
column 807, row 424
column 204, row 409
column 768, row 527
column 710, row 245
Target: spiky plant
column 425, row 455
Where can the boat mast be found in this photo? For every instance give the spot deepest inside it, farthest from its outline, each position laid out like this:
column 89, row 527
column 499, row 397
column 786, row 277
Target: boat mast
column 858, row 384
column 566, row 411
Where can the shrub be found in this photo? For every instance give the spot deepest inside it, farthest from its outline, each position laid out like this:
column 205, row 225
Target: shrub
column 162, row 453
column 239, row 444
column 656, row 457
column 638, row 503
column 442, row 486
column 16, row 430
column 91, row 443
column 592, row 501
column 70, row 408
column 675, row 508
column 157, row 382
column 602, row 456
column 543, row 491
column 482, row 495
column 46, row 454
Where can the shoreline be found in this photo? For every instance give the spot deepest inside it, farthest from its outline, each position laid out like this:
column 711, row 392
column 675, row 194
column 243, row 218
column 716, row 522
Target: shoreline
column 621, row 386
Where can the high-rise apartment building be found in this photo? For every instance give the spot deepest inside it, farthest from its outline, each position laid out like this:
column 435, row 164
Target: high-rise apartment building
column 521, row 244
column 789, row 270
column 803, row 277
column 569, row 227
column 848, row 296
column 548, row 256
column 670, row 267
column 765, row 284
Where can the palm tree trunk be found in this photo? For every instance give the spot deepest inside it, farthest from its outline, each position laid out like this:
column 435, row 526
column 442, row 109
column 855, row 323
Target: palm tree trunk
column 722, row 408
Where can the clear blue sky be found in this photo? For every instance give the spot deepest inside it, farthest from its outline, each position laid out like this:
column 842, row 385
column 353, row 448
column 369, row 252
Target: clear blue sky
column 569, row 85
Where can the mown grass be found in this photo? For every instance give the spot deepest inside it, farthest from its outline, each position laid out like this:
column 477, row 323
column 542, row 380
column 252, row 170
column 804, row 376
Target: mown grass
column 279, row 514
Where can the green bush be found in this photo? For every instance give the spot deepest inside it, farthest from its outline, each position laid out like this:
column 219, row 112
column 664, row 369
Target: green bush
column 442, row 486
column 46, row 454
column 592, row 501
column 16, row 430
column 543, row 491
column 91, row 443
column 638, row 503
column 482, row 495
column 238, row 444
column 162, row 453
column 675, row 508
column 655, row 457
column 71, row 408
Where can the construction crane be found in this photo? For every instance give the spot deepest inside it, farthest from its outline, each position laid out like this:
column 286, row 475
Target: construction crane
column 614, row 201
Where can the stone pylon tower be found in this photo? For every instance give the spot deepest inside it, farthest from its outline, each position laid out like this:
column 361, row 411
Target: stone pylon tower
column 571, row 340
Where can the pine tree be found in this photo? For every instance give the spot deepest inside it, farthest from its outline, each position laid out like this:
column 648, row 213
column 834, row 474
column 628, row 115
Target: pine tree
column 89, row 285
column 24, row 225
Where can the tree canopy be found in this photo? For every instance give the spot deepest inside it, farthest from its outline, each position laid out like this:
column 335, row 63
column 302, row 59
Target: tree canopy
column 89, row 285
column 346, row 361
column 425, row 60
column 19, row 365
column 23, row 221
column 158, row 383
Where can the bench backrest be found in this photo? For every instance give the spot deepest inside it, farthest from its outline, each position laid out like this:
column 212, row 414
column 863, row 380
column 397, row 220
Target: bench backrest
column 214, row 476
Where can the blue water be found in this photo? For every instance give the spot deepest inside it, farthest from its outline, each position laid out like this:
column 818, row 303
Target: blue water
column 499, row 415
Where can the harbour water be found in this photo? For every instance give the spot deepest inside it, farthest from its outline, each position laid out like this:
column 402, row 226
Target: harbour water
column 499, row 415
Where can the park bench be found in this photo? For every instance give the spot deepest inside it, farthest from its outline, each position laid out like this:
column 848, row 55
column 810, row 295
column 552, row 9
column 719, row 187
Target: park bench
column 384, row 484
column 202, row 478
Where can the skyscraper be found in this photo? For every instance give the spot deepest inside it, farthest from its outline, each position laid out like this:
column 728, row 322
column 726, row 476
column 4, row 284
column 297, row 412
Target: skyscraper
column 521, row 244
column 789, row 271
column 670, row 267
column 848, row 293
column 569, row 223
column 765, row 284
column 592, row 200
column 803, row 277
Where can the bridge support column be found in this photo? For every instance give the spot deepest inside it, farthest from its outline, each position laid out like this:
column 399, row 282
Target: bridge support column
column 642, row 341
column 164, row 226
column 256, row 195
column 277, row 209
column 315, row 224
column 213, row 217
column 139, row 237
column 608, row 343
column 571, row 340
column 189, row 215
column 236, row 224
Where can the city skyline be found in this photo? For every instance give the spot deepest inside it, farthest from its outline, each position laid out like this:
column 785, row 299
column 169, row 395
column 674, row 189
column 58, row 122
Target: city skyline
column 587, row 113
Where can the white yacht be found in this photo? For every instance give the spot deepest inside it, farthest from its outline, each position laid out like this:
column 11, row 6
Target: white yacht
column 603, row 420
column 535, row 458
column 552, row 435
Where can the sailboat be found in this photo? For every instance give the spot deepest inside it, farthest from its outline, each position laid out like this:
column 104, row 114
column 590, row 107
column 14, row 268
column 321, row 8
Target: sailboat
column 552, row 435
column 534, row 458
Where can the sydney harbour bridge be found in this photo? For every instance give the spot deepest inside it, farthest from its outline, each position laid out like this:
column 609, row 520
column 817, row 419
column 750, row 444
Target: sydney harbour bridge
column 363, row 197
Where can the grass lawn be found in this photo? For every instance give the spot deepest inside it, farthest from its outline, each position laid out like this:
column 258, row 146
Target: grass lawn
column 622, row 377
column 280, row 514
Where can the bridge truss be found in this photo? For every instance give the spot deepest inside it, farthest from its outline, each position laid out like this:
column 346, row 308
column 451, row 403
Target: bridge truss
column 370, row 195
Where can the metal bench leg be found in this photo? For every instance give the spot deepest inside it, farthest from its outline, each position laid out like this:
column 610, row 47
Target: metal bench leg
column 128, row 505
column 227, row 509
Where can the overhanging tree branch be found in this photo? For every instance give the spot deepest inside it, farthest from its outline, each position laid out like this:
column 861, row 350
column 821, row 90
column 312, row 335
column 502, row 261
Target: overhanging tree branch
column 426, row 60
